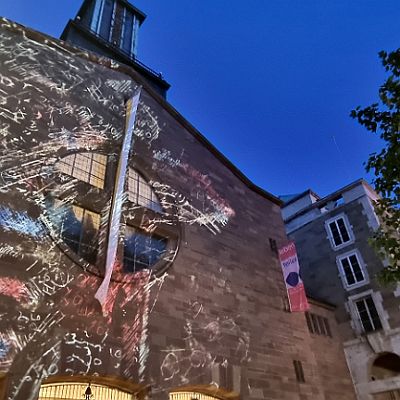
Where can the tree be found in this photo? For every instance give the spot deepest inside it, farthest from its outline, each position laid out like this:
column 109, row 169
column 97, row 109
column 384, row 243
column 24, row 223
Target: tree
column 383, row 118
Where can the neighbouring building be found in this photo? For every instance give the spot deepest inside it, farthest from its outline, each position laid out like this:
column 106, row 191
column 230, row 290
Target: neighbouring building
column 340, row 267
column 195, row 304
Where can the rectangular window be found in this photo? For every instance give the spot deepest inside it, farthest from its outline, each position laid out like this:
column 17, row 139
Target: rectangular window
column 273, row 246
column 314, row 319
column 327, row 327
column 106, row 21
column 318, row 325
column 298, row 369
column 309, row 322
column 127, row 31
column 368, row 314
column 339, row 232
column 352, row 271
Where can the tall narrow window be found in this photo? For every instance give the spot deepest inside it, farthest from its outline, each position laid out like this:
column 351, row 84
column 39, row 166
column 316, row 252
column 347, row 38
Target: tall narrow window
column 127, row 32
column 106, row 20
column 368, row 314
column 298, row 369
column 339, row 232
column 351, row 268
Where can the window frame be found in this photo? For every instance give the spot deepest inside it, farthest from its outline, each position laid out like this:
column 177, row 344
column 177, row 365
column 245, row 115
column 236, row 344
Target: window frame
column 347, row 226
column 141, row 182
column 362, row 265
column 149, row 236
column 356, row 319
column 91, row 177
column 369, row 312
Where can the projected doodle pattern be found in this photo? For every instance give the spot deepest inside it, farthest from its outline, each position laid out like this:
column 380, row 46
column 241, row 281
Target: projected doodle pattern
column 53, row 103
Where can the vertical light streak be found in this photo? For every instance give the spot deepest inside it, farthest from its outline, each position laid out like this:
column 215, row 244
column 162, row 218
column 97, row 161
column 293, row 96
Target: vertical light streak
column 116, row 204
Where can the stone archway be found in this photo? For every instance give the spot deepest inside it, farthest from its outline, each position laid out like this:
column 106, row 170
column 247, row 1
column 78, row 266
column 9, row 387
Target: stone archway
column 202, row 392
column 101, row 388
column 385, row 365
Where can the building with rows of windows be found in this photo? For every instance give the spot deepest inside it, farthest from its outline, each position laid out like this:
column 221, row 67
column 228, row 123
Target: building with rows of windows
column 340, row 267
column 136, row 261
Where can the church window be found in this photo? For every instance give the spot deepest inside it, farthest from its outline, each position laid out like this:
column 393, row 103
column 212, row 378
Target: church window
column 142, row 250
column 141, row 193
column 79, row 229
column 87, row 167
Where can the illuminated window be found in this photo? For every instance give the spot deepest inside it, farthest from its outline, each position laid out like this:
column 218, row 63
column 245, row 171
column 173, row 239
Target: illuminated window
column 141, row 193
column 142, row 250
column 72, row 391
column 79, row 229
column 190, row 396
column 87, row 167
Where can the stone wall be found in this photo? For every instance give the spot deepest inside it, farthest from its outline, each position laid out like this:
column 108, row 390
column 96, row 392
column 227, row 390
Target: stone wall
column 211, row 317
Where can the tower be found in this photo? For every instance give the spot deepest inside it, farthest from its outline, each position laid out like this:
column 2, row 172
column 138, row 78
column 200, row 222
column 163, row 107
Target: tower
column 110, row 28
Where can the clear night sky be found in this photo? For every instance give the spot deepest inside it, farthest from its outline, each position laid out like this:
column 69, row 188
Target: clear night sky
column 269, row 82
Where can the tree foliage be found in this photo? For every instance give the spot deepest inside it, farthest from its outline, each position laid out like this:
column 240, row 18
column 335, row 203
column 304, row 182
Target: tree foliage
column 383, row 119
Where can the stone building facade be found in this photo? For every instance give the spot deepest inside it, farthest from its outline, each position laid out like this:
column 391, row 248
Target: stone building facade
column 195, row 307
column 340, row 267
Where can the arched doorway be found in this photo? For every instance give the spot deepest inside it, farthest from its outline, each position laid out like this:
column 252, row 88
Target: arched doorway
column 76, row 390
column 202, row 392
column 386, row 365
column 101, row 388
column 191, row 396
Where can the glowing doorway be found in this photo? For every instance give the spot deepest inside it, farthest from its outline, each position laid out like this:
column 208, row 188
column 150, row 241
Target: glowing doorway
column 76, row 391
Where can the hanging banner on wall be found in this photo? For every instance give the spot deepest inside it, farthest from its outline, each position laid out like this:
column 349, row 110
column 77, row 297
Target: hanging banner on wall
column 291, row 273
column 116, row 203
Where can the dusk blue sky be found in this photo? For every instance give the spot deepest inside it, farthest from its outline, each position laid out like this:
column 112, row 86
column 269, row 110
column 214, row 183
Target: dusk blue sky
column 269, row 82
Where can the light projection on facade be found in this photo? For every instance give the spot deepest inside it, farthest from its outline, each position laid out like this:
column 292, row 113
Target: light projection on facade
column 62, row 128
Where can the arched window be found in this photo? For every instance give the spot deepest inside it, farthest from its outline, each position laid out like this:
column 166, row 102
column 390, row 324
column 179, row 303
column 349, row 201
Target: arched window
column 142, row 250
column 79, row 229
column 141, row 193
column 76, row 219
column 386, row 365
column 87, row 167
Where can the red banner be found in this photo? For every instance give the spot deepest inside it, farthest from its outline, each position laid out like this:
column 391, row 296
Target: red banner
column 291, row 273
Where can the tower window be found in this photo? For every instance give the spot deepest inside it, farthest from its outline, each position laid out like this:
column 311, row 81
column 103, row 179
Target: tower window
column 116, row 24
column 107, row 19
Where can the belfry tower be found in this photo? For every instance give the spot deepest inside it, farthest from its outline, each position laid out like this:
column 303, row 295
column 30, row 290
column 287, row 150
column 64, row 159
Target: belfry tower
column 110, row 28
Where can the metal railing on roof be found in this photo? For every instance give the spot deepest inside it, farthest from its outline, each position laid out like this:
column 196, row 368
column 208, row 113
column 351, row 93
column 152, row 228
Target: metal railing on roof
column 129, row 56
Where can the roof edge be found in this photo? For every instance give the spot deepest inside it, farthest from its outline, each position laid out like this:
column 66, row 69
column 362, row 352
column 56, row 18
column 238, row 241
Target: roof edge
column 106, row 62
column 329, row 197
